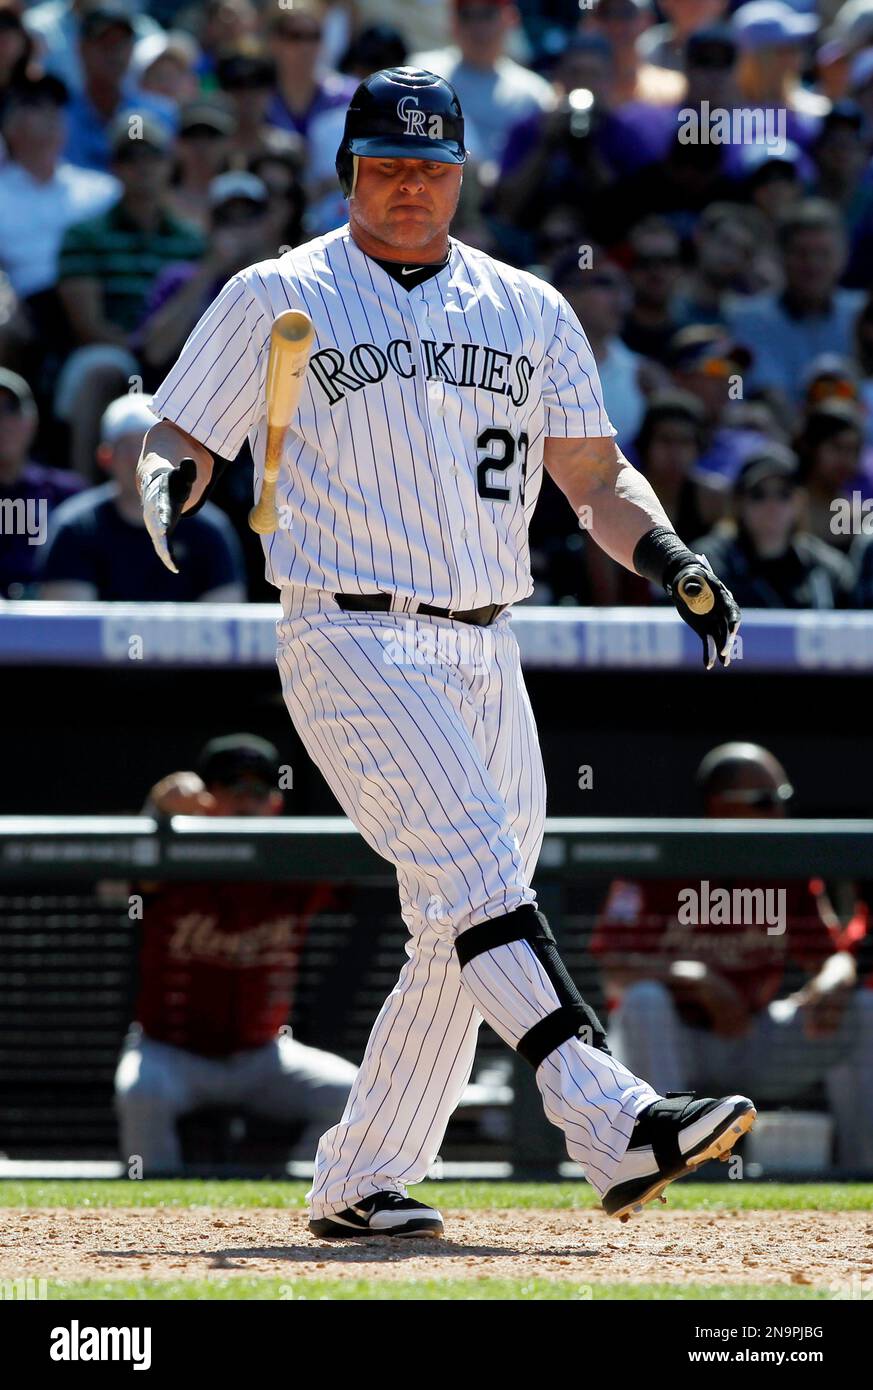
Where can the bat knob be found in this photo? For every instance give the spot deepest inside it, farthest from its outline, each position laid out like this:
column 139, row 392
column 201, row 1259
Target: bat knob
column 696, row 594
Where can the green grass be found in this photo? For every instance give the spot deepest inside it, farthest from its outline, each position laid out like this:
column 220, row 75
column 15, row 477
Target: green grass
column 420, row 1290
column 194, row 1194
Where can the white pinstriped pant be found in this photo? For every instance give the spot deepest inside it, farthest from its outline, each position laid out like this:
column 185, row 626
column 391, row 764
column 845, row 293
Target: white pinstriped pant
column 424, row 732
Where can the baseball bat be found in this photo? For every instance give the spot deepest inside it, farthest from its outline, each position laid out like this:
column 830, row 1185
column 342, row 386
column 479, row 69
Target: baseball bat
column 697, row 594
column 291, row 342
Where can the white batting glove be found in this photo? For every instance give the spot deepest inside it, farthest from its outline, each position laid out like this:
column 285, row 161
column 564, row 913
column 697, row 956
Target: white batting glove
column 164, row 491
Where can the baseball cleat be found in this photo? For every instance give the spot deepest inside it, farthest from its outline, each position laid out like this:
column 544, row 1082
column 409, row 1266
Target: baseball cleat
column 382, row 1214
column 671, row 1138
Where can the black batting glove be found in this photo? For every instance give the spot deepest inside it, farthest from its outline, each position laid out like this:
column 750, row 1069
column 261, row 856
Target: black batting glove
column 164, row 493
column 706, row 605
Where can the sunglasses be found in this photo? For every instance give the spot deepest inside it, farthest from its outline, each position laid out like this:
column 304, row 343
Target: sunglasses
column 478, row 14
column 827, row 388
column 713, row 59
column 653, row 259
column 299, row 35
column 762, row 493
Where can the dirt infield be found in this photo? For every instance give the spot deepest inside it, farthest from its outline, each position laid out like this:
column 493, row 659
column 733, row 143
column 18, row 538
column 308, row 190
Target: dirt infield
column 832, row 1250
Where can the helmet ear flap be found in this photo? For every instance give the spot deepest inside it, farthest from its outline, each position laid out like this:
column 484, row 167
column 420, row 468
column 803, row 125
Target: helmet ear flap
column 346, row 170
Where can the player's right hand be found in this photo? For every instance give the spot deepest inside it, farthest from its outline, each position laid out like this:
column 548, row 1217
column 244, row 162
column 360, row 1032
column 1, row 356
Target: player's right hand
column 164, row 493
column 692, row 588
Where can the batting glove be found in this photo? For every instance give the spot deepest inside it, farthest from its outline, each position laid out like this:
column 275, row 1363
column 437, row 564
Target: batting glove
column 707, row 606
column 164, row 492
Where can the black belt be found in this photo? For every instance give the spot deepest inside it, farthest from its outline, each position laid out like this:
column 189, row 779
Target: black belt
column 381, row 603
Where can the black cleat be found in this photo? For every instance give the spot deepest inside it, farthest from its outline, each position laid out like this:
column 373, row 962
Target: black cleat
column 671, row 1138
column 382, row 1214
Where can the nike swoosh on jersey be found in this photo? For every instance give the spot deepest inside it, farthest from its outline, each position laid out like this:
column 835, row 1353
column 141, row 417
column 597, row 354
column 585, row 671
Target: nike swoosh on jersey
column 405, row 271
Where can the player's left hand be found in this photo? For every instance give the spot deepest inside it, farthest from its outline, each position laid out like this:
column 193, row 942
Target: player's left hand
column 707, row 606
column 164, row 493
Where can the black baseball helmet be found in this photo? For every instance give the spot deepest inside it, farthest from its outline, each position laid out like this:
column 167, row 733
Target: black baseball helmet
column 401, row 113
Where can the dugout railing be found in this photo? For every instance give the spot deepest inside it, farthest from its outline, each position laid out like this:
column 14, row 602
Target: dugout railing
column 68, row 945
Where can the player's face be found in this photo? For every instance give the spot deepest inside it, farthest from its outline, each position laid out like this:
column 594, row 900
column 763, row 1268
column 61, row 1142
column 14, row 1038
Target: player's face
column 405, row 204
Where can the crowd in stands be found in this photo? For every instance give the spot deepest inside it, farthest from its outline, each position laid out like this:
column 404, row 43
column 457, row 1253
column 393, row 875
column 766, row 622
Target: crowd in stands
column 695, row 176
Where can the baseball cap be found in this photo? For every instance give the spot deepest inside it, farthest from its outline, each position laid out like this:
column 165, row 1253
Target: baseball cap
column 752, row 160
column 771, row 23
column 714, row 46
column 772, row 461
column 852, row 25
column 830, row 376
column 207, row 115
column 35, row 91
column 149, row 131
column 237, row 184
column 704, row 347
column 16, row 386
column 131, row 414
column 245, row 65
column 237, row 757
column 104, row 16
column 151, row 47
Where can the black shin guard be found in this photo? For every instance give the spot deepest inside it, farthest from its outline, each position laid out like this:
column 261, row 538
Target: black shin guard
column 574, row 1018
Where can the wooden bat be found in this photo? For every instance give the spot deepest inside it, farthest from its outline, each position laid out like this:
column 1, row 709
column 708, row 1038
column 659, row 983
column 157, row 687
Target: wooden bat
column 291, row 342
column 697, row 594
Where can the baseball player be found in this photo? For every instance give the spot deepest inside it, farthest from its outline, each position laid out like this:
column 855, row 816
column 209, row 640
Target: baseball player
column 441, row 384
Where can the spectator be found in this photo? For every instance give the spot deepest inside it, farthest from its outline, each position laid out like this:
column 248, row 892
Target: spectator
column 709, row 59
column 766, row 559
column 493, row 89
column 222, row 24
column 725, row 248
column 600, row 297
column 29, row 492
column 664, row 45
column 16, row 50
column 206, row 130
column 303, row 89
column 98, row 546
column 217, row 968
column 840, row 156
column 165, row 65
column 239, row 236
column 56, row 26
column 246, row 76
column 860, row 85
column 375, row 47
column 280, row 167
column 772, row 38
column 623, row 23
column 107, row 93
column 423, row 24
column 554, row 181
column 693, row 1004
column 864, row 354
column 770, row 179
column 653, row 271
column 851, row 30
column 830, row 446
column 666, row 449
column 107, row 266
column 41, row 196
column 812, row 314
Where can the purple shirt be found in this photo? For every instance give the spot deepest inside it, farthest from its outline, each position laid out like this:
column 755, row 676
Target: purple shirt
column 333, row 90
column 39, row 490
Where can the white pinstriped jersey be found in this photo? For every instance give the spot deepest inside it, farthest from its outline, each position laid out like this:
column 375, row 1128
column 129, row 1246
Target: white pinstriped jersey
column 415, row 459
